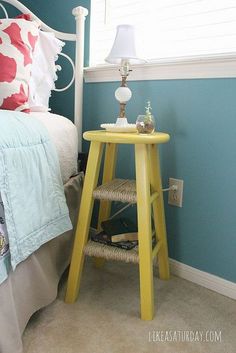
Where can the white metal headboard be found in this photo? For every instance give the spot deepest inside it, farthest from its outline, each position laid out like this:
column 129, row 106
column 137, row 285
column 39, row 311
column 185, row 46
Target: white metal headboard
column 80, row 14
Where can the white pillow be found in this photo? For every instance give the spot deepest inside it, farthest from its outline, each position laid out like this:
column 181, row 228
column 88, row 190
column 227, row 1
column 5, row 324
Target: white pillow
column 43, row 70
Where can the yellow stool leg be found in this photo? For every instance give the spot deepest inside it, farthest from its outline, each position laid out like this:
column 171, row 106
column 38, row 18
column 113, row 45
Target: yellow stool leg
column 108, row 175
column 85, row 213
column 144, row 232
column 159, row 213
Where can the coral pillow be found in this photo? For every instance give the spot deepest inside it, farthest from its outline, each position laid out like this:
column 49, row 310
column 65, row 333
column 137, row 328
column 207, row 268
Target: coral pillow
column 17, row 41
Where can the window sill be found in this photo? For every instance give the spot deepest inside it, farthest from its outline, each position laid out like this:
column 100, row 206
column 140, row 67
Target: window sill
column 191, row 68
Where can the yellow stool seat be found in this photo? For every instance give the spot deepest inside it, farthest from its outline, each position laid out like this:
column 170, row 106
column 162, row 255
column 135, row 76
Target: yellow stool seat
column 127, row 138
column 145, row 190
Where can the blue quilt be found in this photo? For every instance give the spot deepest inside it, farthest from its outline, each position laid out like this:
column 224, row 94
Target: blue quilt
column 33, row 208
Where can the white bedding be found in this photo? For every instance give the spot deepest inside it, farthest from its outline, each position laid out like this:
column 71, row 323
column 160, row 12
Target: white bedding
column 41, row 271
column 65, row 138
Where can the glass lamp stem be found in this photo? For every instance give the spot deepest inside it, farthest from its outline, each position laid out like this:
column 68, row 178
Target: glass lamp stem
column 124, row 68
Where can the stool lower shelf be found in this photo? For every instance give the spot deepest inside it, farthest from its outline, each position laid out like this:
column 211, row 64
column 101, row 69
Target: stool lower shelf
column 109, row 252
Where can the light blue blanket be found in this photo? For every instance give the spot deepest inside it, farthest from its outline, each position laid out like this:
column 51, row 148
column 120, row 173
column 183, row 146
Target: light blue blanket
column 30, row 186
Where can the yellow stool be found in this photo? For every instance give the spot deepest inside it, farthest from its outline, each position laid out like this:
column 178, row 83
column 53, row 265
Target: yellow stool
column 148, row 192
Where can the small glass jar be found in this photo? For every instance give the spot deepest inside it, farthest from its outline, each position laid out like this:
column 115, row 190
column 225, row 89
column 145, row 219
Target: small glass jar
column 145, row 124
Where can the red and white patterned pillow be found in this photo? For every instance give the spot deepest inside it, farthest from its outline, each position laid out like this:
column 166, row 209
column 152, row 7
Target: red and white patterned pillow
column 17, row 41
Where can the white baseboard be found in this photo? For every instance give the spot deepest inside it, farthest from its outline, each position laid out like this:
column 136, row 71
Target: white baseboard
column 203, row 279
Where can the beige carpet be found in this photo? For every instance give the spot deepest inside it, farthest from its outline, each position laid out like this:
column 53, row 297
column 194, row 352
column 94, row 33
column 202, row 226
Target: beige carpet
column 105, row 319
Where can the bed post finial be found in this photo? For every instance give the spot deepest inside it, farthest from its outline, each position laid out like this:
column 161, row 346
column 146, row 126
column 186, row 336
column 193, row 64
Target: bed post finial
column 80, row 11
column 80, row 14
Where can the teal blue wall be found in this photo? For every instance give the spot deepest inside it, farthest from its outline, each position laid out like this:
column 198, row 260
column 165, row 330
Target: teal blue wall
column 200, row 116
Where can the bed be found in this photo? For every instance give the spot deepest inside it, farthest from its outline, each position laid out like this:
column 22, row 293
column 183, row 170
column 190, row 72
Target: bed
column 30, row 283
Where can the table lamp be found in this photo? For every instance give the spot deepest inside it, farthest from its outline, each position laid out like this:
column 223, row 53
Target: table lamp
column 123, row 53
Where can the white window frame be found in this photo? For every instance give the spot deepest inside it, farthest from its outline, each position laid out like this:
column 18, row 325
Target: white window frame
column 188, row 68
column 195, row 67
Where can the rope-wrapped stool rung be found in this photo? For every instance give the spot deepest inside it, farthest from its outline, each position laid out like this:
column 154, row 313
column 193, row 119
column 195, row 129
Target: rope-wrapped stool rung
column 122, row 190
column 109, row 252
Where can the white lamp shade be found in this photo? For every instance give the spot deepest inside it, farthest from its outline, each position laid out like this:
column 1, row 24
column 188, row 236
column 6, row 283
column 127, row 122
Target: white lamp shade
column 124, row 46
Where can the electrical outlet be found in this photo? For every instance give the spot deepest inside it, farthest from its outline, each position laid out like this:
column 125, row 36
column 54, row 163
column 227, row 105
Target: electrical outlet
column 175, row 196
